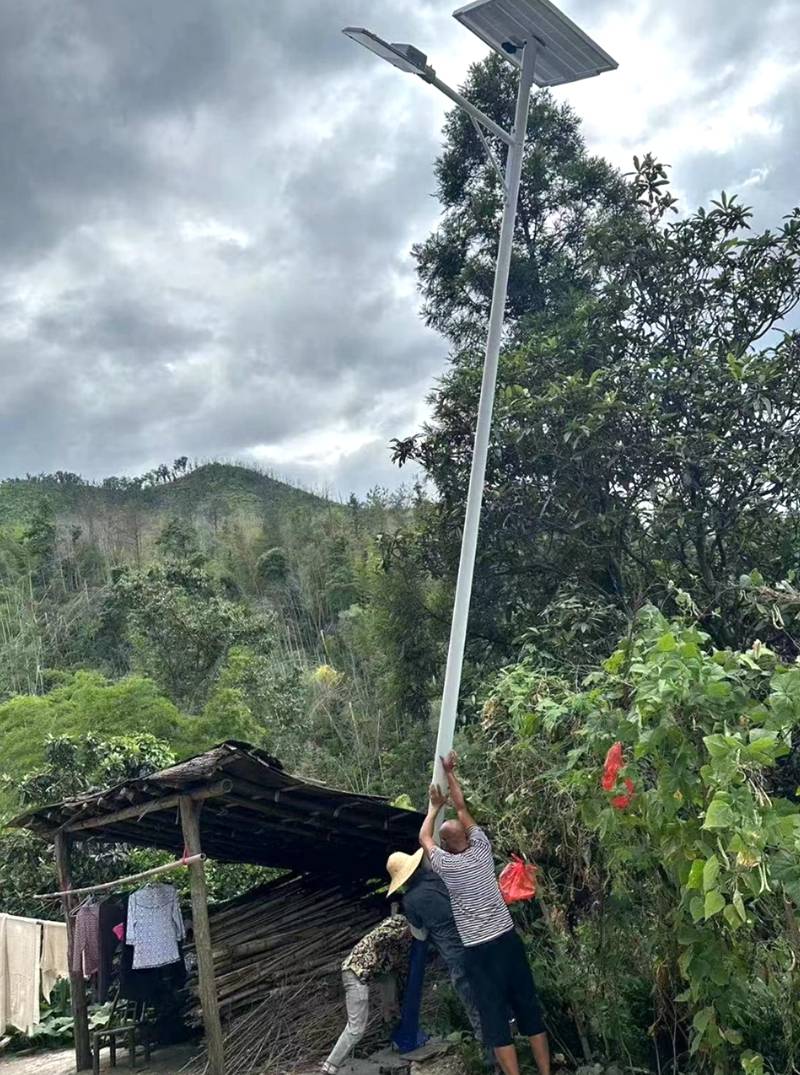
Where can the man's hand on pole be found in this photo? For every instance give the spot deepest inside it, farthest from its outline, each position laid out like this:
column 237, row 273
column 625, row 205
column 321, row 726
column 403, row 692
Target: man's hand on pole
column 456, row 794
column 437, row 799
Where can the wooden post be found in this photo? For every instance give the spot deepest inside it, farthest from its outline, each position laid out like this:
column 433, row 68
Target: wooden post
column 80, row 1015
column 190, row 821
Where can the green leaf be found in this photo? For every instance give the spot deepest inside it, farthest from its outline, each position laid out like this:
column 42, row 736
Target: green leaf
column 696, row 908
column 731, row 917
column 719, row 815
column 738, row 903
column 733, row 1036
column 695, row 878
column 717, row 745
column 667, row 643
column 718, row 689
column 702, row 1019
column 752, row 1063
column 710, row 872
column 735, row 366
column 714, row 903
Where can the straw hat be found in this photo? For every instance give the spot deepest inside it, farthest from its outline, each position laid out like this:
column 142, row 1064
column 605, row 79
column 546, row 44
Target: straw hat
column 401, row 866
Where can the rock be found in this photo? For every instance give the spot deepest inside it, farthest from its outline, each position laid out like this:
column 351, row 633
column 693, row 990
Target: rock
column 447, row 1064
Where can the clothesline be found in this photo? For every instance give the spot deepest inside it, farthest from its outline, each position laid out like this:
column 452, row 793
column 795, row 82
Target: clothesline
column 110, row 885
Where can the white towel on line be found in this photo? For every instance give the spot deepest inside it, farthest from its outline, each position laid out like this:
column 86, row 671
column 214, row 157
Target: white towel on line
column 55, row 963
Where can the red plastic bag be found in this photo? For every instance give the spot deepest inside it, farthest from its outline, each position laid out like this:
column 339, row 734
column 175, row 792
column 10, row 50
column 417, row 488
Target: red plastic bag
column 517, row 881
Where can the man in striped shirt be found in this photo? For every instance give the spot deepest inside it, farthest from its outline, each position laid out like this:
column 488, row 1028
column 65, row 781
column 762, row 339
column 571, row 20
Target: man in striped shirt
column 497, row 966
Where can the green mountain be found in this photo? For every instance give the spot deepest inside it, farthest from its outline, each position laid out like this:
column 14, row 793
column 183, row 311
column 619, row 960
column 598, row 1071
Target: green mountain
column 207, row 492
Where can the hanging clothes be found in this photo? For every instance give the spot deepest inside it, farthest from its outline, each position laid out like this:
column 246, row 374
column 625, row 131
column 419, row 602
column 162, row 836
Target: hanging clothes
column 55, row 962
column 111, row 926
column 86, row 941
column 154, row 926
column 20, row 951
column 154, row 985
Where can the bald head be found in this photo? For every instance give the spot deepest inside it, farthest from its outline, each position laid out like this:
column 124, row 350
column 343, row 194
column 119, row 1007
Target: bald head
column 453, row 836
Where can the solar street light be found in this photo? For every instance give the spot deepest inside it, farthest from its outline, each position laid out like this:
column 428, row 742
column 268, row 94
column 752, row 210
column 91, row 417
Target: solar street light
column 549, row 50
column 404, row 57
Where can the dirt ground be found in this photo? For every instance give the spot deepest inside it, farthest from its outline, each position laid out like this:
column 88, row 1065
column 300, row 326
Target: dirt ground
column 177, row 1059
column 166, row 1061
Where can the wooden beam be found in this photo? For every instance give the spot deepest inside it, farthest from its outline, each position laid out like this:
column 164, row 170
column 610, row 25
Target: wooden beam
column 80, row 1014
column 148, row 807
column 190, row 821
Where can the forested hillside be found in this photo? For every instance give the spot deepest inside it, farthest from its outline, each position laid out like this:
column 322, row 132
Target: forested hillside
column 197, row 605
column 630, row 713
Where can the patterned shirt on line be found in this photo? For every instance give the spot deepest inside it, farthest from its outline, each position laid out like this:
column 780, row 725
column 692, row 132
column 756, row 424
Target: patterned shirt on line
column 479, row 909
column 384, row 950
column 154, row 926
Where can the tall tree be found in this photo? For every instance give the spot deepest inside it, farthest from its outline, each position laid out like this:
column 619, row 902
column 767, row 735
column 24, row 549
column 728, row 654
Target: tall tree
column 565, row 194
column 645, row 436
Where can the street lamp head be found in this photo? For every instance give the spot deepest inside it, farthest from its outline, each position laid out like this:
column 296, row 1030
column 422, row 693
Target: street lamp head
column 405, row 57
column 564, row 52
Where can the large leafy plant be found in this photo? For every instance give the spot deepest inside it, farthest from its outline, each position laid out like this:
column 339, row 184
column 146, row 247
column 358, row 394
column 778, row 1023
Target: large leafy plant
column 649, row 794
column 701, row 730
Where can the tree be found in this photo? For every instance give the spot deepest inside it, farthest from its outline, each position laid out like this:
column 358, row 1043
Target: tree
column 70, row 767
column 182, row 627
column 178, row 541
column 645, row 435
column 565, row 194
column 83, row 703
column 40, row 542
column 272, row 567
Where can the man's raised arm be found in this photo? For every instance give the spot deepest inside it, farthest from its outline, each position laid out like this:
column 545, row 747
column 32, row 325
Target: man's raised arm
column 437, row 799
column 456, row 794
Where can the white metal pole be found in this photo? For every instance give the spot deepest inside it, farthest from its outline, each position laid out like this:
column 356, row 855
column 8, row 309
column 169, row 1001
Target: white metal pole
column 469, row 541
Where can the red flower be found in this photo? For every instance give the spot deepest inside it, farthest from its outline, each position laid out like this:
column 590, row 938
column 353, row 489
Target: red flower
column 614, row 762
column 622, row 802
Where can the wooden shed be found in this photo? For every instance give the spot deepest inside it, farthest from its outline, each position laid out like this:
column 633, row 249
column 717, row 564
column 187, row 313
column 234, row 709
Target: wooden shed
column 234, row 803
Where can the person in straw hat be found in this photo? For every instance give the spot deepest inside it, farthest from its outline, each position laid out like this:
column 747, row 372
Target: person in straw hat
column 426, row 906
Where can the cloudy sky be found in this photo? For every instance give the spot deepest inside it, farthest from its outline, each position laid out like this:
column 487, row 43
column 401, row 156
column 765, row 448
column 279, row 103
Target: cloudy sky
column 206, row 210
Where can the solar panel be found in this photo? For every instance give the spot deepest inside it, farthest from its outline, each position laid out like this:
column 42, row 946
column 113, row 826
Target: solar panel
column 566, row 53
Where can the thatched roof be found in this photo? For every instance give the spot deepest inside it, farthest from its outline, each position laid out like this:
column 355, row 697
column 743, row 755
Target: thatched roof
column 259, row 814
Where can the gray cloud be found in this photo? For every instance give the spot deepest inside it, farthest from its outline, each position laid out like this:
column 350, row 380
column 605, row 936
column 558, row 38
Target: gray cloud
column 206, row 211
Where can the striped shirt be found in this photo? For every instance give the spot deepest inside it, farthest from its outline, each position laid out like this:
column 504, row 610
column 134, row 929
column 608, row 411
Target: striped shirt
column 478, row 908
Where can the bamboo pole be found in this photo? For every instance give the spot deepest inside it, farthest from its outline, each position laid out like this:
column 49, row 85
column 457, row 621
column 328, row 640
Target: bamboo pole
column 80, row 1014
column 190, row 821
column 108, row 886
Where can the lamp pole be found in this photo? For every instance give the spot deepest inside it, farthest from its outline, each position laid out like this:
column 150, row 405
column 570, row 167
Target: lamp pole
column 550, row 50
column 469, row 540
